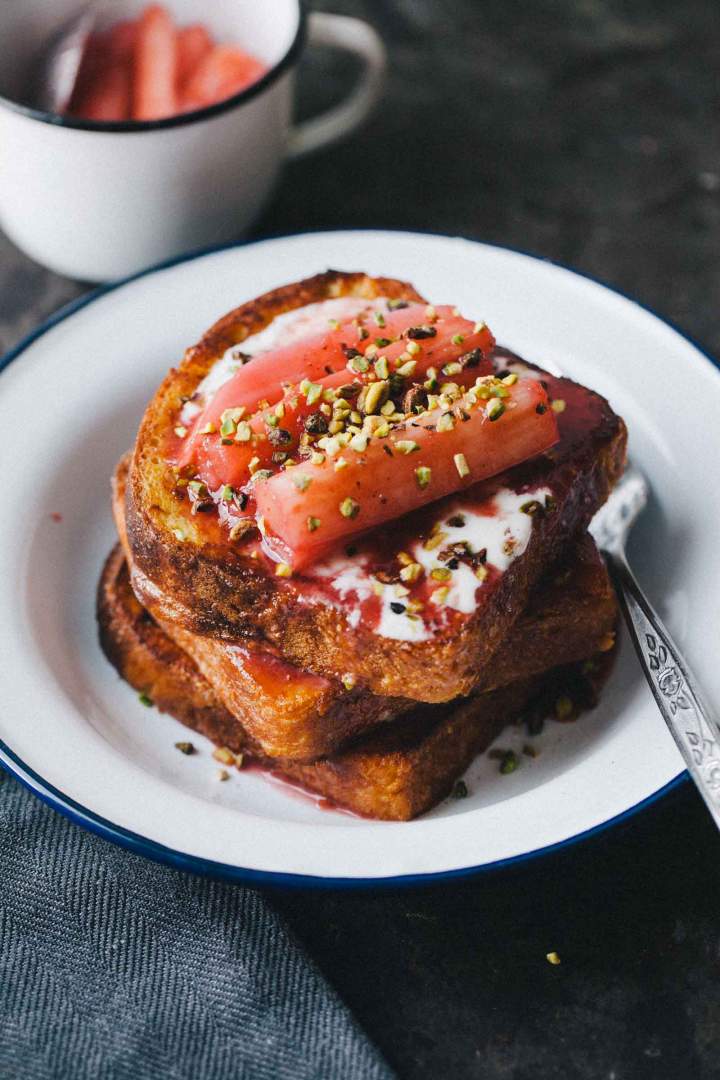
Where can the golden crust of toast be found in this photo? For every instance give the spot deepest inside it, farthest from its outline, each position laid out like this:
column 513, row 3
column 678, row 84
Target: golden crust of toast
column 205, row 585
column 395, row 772
column 293, row 714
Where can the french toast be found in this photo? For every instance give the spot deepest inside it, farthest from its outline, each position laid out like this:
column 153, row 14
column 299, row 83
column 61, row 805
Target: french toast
column 396, row 771
column 291, row 713
column 329, row 619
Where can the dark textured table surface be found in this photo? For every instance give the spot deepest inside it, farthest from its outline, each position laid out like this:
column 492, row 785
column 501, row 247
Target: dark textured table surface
column 585, row 131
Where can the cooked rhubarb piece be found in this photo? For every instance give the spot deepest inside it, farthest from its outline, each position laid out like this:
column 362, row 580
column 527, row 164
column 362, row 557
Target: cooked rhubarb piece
column 494, row 426
column 155, row 65
column 193, row 45
column 107, row 97
column 104, row 85
column 404, row 350
column 225, row 71
column 121, row 40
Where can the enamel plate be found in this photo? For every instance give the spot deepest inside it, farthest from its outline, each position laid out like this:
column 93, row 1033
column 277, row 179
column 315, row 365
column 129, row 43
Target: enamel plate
column 70, row 402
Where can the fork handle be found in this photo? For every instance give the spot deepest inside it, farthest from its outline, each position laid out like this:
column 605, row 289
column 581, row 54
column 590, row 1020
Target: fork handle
column 676, row 691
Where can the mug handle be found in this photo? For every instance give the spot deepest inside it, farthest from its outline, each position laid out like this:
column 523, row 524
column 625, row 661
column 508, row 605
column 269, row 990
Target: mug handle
column 359, row 38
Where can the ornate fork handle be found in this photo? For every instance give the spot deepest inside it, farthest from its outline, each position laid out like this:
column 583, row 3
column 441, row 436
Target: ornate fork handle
column 676, row 691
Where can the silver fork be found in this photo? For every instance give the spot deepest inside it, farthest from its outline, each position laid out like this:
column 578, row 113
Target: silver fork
column 676, row 691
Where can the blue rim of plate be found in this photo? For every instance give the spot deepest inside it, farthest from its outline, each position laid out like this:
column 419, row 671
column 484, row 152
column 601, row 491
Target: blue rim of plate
column 141, row 845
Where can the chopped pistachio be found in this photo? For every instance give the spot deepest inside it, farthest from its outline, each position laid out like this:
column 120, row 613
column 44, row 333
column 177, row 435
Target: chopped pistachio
column 481, row 572
column 452, row 369
column 181, row 431
column 382, row 369
column 144, row 699
column 423, row 475
column 348, row 680
column 271, row 420
column 406, row 446
column 479, row 327
column 229, row 427
column 313, row 393
column 227, row 493
column 376, row 395
column 552, row 958
column 209, row 429
column 445, row 422
column 440, row 573
column 509, row 762
column 457, row 339
column 358, row 364
column 179, row 534
column 313, row 523
column 510, row 379
column 333, row 324
column 461, row 465
column 301, row 481
column 224, row 755
column 379, row 318
column 438, row 537
column 253, row 464
column 186, row 748
column 341, row 463
column 371, row 352
column 430, row 313
column 407, row 369
column 359, row 443
column 316, row 458
column 494, row 409
column 413, row 348
column 411, row 572
column 222, row 775
column 439, row 596
column 261, row 474
column 349, row 508
column 388, row 409
column 283, row 569
column 244, row 432
column 558, row 405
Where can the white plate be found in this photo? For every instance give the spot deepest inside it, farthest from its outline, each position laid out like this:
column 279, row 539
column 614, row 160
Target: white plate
column 69, row 405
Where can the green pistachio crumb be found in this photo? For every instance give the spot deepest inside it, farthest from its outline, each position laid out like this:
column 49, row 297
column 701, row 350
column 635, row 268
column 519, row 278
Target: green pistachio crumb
column 509, row 763
column 349, row 508
column 301, row 481
column 423, row 475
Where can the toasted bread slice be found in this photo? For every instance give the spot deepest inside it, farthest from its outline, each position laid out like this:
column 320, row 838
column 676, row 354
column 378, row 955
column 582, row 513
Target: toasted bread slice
column 194, row 578
column 394, row 772
column 294, row 714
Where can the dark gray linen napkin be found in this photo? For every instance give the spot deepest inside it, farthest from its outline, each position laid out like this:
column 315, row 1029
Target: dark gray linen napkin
column 113, row 967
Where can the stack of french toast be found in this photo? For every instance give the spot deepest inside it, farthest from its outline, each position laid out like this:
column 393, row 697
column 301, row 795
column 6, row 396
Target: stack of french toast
column 353, row 543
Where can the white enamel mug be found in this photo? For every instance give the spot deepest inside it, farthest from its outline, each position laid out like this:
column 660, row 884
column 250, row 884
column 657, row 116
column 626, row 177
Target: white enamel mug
column 98, row 201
